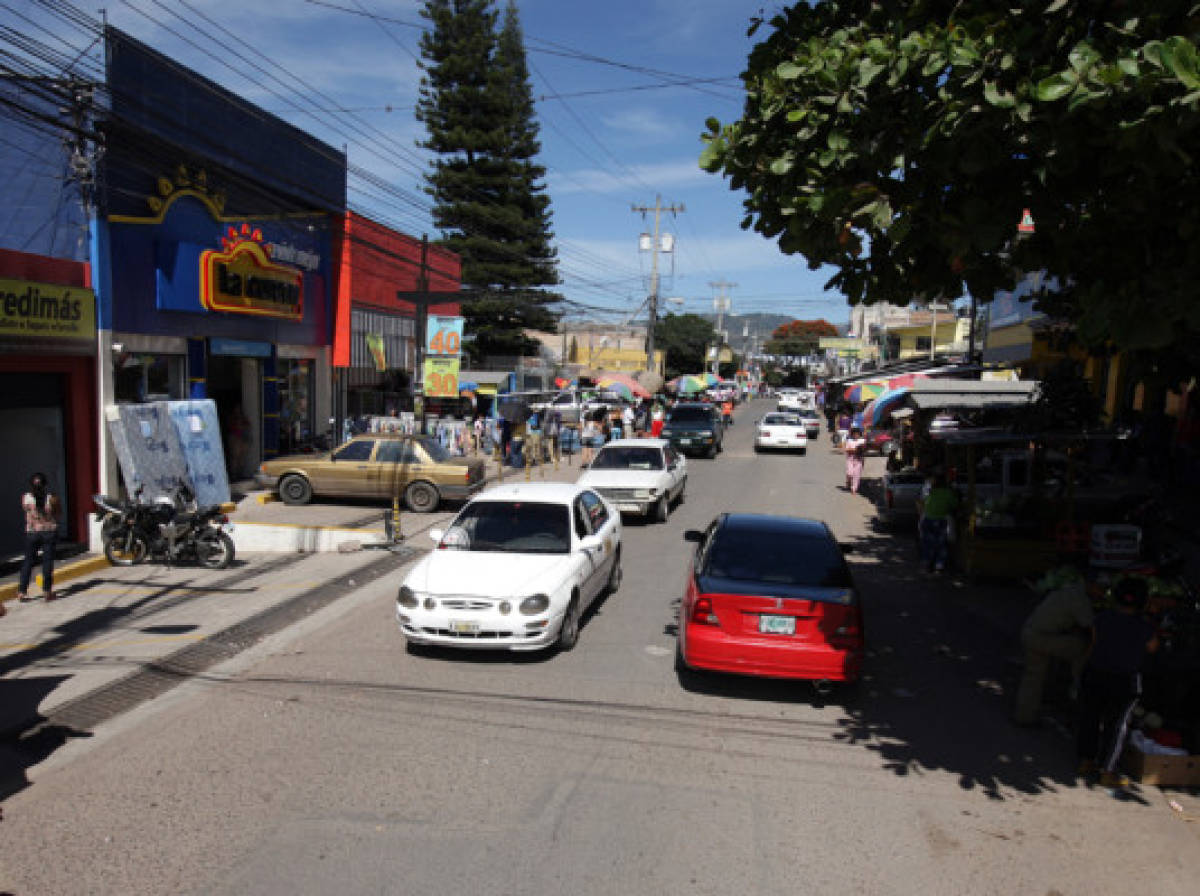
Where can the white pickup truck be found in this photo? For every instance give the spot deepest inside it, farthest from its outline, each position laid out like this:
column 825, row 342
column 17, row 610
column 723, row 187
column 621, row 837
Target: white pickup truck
column 572, row 405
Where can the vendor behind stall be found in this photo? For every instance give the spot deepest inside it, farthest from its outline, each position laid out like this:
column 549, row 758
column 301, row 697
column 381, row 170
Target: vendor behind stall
column 1112, row 679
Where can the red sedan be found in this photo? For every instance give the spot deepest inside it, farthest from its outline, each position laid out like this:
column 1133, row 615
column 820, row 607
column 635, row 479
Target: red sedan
column 770, row 596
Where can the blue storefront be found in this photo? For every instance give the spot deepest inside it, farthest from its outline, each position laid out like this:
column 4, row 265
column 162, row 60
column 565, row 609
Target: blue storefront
column 213, row 254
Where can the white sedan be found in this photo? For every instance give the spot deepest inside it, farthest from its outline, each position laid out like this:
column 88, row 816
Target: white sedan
column 779, row 430
column 515, row 570
column 640, row 476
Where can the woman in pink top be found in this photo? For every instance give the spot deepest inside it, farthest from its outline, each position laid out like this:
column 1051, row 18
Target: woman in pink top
column 855, row 448
column 41, row 534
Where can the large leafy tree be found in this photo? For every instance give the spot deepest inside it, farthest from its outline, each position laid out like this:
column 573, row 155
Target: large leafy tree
column 489, row 196
column 900, row 143
column 799, row 337
column 684, row 338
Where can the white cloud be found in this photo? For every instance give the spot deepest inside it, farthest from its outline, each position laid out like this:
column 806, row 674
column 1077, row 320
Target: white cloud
column 639, row 178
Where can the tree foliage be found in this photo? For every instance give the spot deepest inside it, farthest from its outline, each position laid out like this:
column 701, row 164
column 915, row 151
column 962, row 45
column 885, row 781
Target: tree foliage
column 684, row 338
column 901, row 142
column 799, row 337
column 490, row 201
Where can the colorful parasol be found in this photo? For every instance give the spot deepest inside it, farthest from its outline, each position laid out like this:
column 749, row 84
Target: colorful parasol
column 618, row 389
column 687, row 384
column 627, row 384
column 863, row 392
column 712, row 379
column 883, row 406
column 904, row 380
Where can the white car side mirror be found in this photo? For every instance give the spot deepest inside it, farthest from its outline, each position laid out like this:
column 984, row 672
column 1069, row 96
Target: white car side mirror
column 436, row 534
column 591, row 543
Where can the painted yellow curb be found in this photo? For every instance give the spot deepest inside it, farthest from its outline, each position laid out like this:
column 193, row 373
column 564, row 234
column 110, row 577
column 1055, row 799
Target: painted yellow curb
column 266, row 498
column 64, row 573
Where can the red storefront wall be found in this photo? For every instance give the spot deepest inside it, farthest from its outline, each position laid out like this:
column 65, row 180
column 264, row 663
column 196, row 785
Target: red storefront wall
column 80, row 416
column 374, row 263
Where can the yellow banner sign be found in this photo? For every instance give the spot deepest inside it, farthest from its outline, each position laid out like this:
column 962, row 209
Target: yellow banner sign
column 441, row 377
column 842, row 343
column 47, row 311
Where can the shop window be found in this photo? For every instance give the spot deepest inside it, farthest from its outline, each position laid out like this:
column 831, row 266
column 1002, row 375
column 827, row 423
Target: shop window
column 295, row 404
column 139, row 377
column 923, row 343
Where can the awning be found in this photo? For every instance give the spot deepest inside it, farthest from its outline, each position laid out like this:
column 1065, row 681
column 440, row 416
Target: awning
column 935, row 394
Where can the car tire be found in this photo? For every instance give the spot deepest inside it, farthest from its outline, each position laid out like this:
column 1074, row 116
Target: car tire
column 568, row 631
column 662, row 510
column 682, row 496
column 421, row 497
column 712, row 451
column 615, row 575
column 295, row 489
column 803, row 451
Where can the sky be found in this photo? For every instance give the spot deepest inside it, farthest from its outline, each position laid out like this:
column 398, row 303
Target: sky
column 613, row 136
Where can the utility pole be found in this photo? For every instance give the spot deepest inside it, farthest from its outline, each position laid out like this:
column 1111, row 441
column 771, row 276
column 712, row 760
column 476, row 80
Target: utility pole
column 721, row 303
column 654, row 247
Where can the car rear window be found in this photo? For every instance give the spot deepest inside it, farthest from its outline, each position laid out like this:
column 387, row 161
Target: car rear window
column 780, row 420
column 778, row 558
column 690, row 415
column 628, row 458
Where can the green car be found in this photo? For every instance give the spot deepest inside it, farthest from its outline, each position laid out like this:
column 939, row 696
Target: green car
column 695, row 428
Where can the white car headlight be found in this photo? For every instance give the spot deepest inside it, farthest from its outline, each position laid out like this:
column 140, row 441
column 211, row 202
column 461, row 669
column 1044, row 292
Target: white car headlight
column 646, row 493
column 407, row 598
column 531, row 606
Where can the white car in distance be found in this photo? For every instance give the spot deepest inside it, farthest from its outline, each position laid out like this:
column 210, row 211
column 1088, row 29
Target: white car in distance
column 515, row 570
column 642, row 476
column 781, row 430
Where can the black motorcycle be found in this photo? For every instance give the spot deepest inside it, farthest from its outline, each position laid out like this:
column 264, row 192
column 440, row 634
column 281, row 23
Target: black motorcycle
column 170, row 528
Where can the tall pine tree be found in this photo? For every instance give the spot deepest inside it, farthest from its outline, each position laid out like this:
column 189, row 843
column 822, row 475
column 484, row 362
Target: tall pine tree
column 490, row 202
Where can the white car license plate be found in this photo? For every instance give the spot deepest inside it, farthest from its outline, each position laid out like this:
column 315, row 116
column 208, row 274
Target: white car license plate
column 460, row 627
column 630, row 508
column 777, row 625
column 685, row 441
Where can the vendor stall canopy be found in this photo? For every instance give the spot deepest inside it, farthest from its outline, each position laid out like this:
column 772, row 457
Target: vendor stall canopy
column 935, row 394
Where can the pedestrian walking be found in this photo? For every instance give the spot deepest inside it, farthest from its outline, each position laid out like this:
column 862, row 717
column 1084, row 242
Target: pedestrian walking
column 589, row 437
column 628, row 421
column 1059, row 627
column 41, row 535
column 553, row 430
column 657, row 417
column 855, row 449
column 937, row 516
column 477, row 428
column 1112, row 679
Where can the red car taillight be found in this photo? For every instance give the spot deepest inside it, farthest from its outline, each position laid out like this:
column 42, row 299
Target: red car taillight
column 765, row 433
column 850, row 631
column 702, row 612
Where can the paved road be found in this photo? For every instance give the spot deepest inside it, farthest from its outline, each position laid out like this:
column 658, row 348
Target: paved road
column 328, row 759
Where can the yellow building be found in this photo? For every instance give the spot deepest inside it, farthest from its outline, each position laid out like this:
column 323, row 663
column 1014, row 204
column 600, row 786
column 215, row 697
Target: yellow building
column 949, row 335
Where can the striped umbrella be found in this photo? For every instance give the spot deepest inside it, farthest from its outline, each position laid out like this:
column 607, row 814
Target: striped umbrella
column 627, row 383
column 618, row 389
column 687, row 384
column 882, row 407
column 863, row 392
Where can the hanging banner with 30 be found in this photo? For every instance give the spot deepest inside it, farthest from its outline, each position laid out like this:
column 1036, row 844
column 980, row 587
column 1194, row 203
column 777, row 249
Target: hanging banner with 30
column 441, row 378
column 443, row 336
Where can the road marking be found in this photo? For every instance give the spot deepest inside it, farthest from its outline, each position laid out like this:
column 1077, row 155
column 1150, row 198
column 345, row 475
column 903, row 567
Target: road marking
column 655, row 650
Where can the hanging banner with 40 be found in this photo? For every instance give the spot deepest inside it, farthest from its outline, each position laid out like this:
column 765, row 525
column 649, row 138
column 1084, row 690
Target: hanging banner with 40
column 443, row 335
column 441, row 378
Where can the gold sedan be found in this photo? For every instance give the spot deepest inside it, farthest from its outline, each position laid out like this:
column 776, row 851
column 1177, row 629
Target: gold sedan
column 377, row 465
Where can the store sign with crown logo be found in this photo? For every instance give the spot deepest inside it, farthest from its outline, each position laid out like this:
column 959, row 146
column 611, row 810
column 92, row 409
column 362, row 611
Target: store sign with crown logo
column 243, row 279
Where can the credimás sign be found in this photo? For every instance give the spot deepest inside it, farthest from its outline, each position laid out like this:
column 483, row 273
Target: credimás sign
column 47, row 311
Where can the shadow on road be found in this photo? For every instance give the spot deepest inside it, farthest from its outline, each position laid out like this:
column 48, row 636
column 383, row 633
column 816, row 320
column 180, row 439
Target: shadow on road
column 942, row 665
column 23, row 749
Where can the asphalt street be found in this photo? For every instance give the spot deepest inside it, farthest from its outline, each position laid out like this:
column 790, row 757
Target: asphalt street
column 328, row 758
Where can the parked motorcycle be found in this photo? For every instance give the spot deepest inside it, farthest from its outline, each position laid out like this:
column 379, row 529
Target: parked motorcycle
column 172, row 529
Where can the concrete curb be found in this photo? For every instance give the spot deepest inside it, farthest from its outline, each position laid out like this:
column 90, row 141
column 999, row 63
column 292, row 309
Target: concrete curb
column 297, row 538
column 72, row 569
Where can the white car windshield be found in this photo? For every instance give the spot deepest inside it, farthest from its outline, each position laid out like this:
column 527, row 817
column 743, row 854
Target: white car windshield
column 628, row 458
column 512, row 527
